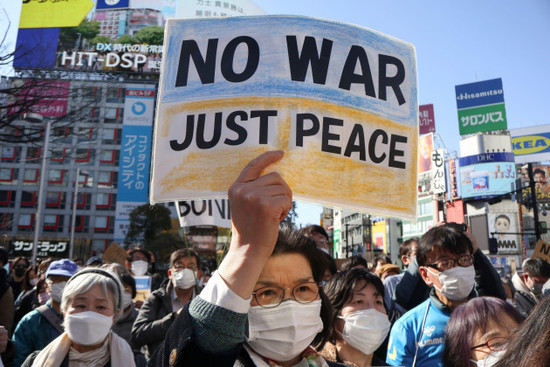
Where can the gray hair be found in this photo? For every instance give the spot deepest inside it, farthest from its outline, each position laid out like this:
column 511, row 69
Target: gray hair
column 114, row 268
column 88, row 278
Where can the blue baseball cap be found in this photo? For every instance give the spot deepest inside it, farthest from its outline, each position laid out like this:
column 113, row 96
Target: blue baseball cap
column 64, row 267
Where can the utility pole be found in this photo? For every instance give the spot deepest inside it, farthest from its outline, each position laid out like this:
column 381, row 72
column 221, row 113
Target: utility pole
column 534, row 200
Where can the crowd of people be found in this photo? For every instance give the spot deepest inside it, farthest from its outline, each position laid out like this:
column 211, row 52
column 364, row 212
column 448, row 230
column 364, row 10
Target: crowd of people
column 278, row 299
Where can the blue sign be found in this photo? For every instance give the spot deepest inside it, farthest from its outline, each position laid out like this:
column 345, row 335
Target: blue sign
column 479, row 93
column 36, row 48
column 112, row 4
column 486, row 157
column 135, row 153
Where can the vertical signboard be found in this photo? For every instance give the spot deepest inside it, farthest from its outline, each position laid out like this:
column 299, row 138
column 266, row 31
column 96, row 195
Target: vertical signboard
column 480, row 106
column 135, row 153
column 426, row 119
column 438, row 171
column 425, row 148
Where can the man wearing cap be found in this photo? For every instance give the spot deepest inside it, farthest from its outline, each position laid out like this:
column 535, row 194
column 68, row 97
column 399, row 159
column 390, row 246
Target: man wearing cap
column 42, row 325
column 94, row 261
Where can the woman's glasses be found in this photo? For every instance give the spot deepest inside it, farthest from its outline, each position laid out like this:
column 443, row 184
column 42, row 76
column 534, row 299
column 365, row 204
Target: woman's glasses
column 493, row 344
column 272, row 296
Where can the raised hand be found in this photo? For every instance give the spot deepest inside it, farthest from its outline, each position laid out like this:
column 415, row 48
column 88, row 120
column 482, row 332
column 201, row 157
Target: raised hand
column 258, row 205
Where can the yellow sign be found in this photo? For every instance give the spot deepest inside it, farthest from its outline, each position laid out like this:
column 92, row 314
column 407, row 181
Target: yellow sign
column 542, row 250
column 54, row 13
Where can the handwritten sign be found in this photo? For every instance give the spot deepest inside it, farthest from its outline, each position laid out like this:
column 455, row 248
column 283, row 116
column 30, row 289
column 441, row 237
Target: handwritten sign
column 340, row 100
column 542, row 250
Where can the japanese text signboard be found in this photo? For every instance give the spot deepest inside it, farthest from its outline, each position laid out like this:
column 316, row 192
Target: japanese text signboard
column 340, row 100
column 480, row 106
column 135, row 152
column 426, row 119
column 438, row 171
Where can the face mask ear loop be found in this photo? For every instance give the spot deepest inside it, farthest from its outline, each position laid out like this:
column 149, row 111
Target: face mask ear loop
column 437, row 275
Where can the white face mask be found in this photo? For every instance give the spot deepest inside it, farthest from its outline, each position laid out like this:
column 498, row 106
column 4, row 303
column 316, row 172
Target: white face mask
column 283, row 332
column 184, row 278
column 457, row 282
column 490, row 360
column 365, row 330
column 33, row 282
column 87, row 328
column 139, row 267
column 126, row 300
column 43, row 297
column 56, row 291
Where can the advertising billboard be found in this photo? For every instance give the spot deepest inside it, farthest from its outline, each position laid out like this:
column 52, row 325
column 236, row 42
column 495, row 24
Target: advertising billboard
column 112, row 4
column 505, row 228
column 426, row 119
column 541, row 176
column 438, row 171
column 531, row 144
column 487, row 174
column 425, row 148
column 452, row 178
column 115, row 35
column 135, row 153
column 480, row 106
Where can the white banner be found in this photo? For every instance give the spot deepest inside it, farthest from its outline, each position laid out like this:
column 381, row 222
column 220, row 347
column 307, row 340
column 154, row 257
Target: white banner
column 215, row 212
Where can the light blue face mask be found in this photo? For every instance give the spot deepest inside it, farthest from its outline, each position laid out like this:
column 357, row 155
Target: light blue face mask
column 7, row 267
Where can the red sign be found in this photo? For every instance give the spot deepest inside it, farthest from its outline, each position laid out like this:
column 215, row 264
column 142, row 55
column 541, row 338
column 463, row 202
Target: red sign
column 43, row 97
column 426, row 119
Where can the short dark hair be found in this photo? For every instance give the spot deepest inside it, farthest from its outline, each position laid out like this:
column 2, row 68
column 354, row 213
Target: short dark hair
column 314, row 228
column 539, row 170
column 184, row 252
column 442, row 237
column 536, row 267
column 127, row 279
column 138, row 249
column 469, row 319
column 382, row 257
column 339, row 290
column 291, row 241
column 406, row 247
column 354, row 261
column 504, row 216
column 330, row 263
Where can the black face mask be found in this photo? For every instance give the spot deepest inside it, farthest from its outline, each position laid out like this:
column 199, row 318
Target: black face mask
column 19, row 272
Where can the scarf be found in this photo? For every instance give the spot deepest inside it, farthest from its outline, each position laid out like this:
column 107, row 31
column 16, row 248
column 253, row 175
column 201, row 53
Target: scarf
column 310, row 358
column 114, row 349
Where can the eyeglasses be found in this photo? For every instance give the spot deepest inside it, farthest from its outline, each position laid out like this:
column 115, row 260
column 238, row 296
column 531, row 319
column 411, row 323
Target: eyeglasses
column 493, row 344
column 269, row 297
column 447, row 264
column 179, row 267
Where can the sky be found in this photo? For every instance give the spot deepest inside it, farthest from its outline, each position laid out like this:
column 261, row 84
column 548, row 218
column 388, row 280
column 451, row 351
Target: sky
column 457, row 42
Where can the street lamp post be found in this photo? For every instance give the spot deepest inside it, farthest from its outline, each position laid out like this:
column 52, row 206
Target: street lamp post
column 37, row 118
column 73, row 220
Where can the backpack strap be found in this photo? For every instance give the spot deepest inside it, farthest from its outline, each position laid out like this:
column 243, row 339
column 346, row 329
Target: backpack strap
column 52, row 318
